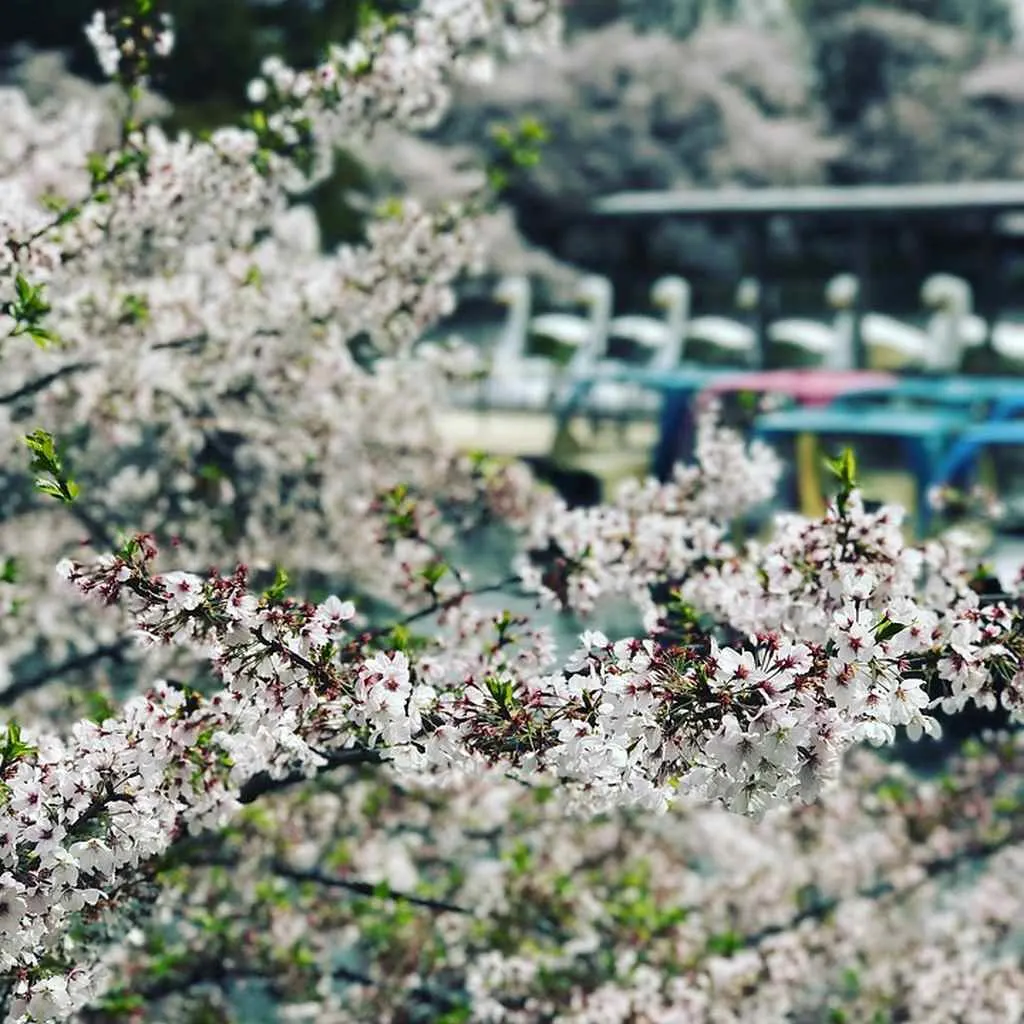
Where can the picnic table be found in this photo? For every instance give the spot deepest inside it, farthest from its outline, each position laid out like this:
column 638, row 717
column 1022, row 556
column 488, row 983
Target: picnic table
column 810, row 387
column 678, row 387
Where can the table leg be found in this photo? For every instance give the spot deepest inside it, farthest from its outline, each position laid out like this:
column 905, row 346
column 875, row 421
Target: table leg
column 809, row 458
column 675, row 436
column 923, row 455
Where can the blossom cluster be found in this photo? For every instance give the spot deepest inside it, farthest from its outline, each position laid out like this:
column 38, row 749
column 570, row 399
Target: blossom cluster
column 119, row 39
column 399, row 70
column 651, row 531
column 194, row 347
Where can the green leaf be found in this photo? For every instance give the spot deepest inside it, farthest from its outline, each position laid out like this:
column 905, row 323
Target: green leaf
column 134, row 309
column 844, row 468
column 887, row 629
column 725, row 943
column 68, row 215
column 166, row 964
column 99, row 707
column 45, row 460
column 973, row 748
column 23, row 288
column 303, row 956
column 42, row 336
column 520, row 858
column 275, row 593
column 433, row 573
column 13, row 746
column 497, row 179
column 851, row 982
column 391, row 209
column 503, row 693
column 121, row 1003
column 211, row 472
column 893, row 790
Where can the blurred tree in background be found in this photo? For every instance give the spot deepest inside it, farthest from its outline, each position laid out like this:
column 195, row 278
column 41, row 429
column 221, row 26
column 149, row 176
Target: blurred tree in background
column 754, row 95
column 683, row 17
column 988, row 18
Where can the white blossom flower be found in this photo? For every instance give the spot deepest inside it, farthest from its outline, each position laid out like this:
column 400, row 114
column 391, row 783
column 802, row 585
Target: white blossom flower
column 184, row 590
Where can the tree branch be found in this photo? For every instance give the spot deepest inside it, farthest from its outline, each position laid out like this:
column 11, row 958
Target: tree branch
column 41, row 382
column 262, row 783
column 26, row 684
column 363, row 888
column 820, row 909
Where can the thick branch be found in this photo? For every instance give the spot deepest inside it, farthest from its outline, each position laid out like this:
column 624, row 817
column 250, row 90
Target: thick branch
column 51, row 673
column 213, row 970
column 262, row 783
column 821, row 909
column 363, row 888
column 42, row 382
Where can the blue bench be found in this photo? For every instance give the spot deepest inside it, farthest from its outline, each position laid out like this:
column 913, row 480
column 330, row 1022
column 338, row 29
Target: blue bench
column 959, row 463
column 998, row 397
column 925, row 435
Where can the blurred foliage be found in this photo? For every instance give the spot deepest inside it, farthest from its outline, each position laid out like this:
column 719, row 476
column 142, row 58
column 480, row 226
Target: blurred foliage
column 863, row 52
column 857, row 92
column 848, row 59
column 679, row 17
column 676, row 17
column 985, row 18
